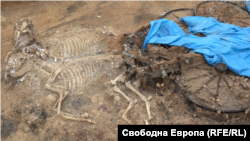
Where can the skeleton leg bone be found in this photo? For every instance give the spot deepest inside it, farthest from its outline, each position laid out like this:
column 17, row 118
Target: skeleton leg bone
column 69, row 116
column 131, row 102
column 129, row 85
column 60, row 102
column 54, row 107
column 62, row 95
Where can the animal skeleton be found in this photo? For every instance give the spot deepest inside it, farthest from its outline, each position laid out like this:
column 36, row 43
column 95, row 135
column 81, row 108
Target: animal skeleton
column 64, row 77
column 76, row 75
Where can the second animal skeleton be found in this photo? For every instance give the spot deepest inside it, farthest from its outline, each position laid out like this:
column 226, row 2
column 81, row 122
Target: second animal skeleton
column 75, row 76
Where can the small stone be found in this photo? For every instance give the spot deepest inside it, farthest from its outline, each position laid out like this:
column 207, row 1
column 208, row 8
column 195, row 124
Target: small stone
column 236, row 84
column 247, row 111
column 187, row 61
column 245, row 80
column 26, row 129
column 85, row 115
column 94, row 99
column 158, row 85
column 137, row 83
column 218, row 111
column 170, row 110
column 117, row 98
column 51, row 98
column 227, row 116
column 101, row 98
column 112, row 31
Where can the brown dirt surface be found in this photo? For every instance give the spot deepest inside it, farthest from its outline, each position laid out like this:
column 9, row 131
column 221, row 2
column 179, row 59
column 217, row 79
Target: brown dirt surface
column 26, row 106
column 226, row 12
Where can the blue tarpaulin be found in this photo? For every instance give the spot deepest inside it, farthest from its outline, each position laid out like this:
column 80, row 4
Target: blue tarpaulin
column 248, row 5
column 224, row 43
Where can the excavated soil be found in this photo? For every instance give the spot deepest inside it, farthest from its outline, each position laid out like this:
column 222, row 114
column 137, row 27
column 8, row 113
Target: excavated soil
column 26, row 106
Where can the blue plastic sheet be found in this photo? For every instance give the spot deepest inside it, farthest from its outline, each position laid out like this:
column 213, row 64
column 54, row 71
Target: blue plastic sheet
column 248, row 5
column 225, row 43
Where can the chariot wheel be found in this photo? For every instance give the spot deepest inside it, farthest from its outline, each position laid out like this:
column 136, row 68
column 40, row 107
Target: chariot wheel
column 214, row 88
column 225, row 12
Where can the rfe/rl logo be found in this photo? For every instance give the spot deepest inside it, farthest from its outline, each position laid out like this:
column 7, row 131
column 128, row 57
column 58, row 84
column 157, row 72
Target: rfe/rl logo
column 225, row 132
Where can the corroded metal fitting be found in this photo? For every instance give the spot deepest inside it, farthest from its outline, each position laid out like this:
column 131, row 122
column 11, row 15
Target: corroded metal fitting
column 161, row 68
column 127, row 48
column 125, row 52
column 220, row 67
column 166, row 65
column 131, row 56
column 128, row 62
column 143, row 71
column 163, row 73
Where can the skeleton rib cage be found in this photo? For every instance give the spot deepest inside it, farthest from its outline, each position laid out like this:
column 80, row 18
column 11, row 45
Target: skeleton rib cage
column 80, row 73
column 75, row 44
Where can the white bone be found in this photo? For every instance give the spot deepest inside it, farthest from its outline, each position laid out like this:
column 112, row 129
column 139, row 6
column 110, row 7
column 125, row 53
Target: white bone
column 131, row 102
column 129, row 85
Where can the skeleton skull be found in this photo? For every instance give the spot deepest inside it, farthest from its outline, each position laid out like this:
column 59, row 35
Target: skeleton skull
column 14, row 63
